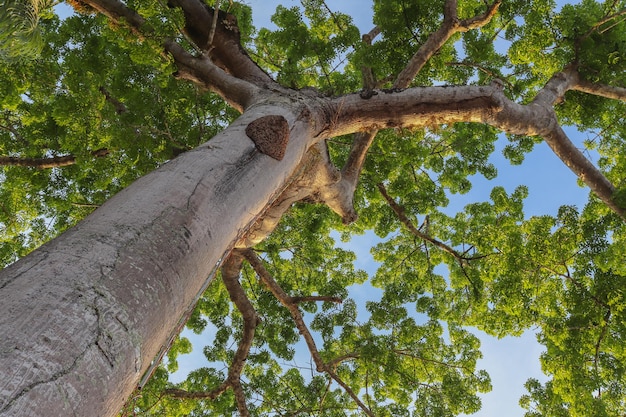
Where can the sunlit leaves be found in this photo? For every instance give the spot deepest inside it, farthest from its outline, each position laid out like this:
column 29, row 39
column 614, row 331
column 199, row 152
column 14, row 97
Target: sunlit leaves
column 308, row 55
column 487, row 265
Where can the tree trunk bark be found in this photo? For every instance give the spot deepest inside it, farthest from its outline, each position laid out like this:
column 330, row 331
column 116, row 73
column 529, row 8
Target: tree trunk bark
column 82, row 317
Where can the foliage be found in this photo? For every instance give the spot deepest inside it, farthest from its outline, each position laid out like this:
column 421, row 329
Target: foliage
column 407, row 351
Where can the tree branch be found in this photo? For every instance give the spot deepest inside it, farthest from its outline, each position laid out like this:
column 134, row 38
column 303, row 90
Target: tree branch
column 574, row 159
column 118, row 11
column 400, row 213
column 119, row 106
column 224, row 45
column 451, row 25
column 289, row 303
column 562, row 146
column 423, row 106
column 602, row 90
column 363, row 140
column 46, row 163
column 201, row 70
column 431, row 106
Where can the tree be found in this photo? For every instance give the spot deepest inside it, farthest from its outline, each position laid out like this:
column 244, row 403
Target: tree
column 128, row 90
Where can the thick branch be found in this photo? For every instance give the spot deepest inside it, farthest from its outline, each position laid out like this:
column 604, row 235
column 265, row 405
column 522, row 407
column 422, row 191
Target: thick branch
column 451, row 25
column 555, row 89
column 199, row 70
column 421, row 106
column 292, row 306
column 569, row 79
column 354, row 164
column 432, row 106
column 224, row 47
column 118, row 11
column 46, row 163
column 562, row 146
column 602, row 90
column 238, row 93
column 362, row 141
column 571, row 156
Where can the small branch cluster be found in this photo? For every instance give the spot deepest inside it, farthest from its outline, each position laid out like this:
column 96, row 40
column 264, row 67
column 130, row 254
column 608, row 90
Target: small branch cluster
column 230, row 277
column 461, row 257
column 291, row 303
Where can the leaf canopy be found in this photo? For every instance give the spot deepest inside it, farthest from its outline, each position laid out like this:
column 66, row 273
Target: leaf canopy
column 113, row 103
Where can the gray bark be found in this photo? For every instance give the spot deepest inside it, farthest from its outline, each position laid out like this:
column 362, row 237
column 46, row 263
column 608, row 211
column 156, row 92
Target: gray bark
column 83, row 316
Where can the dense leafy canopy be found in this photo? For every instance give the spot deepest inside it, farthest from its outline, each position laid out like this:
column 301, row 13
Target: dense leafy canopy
column 98, row 108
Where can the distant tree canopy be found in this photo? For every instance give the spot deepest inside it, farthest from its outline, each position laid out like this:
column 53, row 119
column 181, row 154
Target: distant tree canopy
column 100, row 106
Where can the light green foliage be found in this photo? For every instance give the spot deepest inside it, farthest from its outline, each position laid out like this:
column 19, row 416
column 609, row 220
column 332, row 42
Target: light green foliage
column 407, row 351
column 308, row 47
column 20, row 29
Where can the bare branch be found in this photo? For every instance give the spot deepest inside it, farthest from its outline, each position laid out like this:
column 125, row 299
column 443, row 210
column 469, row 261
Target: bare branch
column 118, row 11
column 575, row 160
column 371, row 35
column 423, row 106
column 213, row 23
column 555, row 89
column 480, row 20
column 431, row 106
column 228, row 54
column 360, row 145
column 222, row 42
column 602, row 90
column 569, row 79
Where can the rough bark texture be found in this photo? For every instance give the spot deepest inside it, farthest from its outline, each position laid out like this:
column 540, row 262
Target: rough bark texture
column 83, row 317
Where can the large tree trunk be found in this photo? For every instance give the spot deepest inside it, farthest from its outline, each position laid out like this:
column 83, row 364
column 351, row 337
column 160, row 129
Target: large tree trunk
column 82, row 317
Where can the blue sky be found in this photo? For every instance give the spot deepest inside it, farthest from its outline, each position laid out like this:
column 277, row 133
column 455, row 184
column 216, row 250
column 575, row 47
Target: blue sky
column 509, row 361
